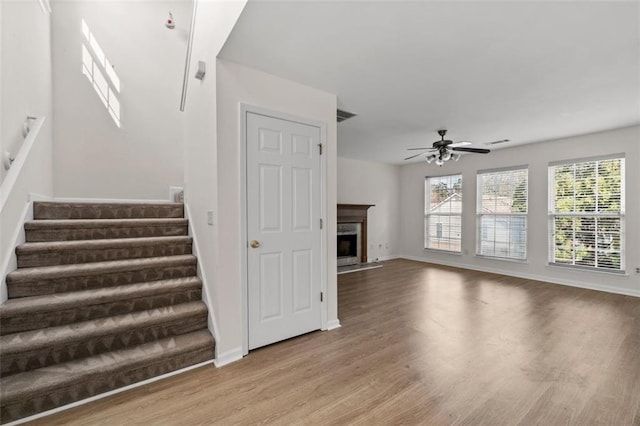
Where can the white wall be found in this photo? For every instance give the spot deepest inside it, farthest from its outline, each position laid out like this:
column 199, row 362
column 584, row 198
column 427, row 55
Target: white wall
column 92, row 156
column 238, row 84
column 361, row 182
column 537, row 157
column 215, row 21
column 25, row 71
column 25, row 89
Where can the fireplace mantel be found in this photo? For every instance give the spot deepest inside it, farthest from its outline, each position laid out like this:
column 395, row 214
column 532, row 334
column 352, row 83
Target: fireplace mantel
column 356, row 213
column 350, row 213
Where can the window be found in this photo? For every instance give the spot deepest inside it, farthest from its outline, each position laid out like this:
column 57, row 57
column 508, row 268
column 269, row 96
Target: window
column 502, row 213
column 586, row 214
column 443, row 213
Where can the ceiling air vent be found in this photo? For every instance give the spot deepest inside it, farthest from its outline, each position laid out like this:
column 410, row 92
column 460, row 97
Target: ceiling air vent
column 497, row 142
column 344, row 115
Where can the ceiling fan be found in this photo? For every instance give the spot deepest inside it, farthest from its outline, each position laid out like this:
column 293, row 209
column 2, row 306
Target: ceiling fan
column 442, row 150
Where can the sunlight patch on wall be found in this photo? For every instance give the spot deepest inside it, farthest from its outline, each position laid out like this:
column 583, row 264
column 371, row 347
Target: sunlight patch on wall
column 93, row 66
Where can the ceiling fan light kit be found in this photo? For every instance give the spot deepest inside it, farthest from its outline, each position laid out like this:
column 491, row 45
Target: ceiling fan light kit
column 444, row 150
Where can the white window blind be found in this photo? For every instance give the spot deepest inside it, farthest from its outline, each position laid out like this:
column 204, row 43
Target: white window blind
column 502, row 213
column 586, row 214
column 443, row 213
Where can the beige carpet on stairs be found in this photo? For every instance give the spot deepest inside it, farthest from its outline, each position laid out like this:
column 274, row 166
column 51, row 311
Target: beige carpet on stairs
column 105, row 295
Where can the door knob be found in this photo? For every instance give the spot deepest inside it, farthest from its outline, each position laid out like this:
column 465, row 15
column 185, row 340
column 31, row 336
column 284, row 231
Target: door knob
column 254, row 244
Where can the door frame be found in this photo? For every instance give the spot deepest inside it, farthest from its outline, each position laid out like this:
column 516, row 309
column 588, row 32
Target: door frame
column 324, row 306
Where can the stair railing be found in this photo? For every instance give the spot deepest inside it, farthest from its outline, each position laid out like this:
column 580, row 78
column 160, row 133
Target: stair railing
column 14, row 164
column 185, row 78
column 15, row 196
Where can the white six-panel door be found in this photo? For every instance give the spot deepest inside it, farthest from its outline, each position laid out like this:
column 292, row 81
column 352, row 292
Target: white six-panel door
column 283, row 229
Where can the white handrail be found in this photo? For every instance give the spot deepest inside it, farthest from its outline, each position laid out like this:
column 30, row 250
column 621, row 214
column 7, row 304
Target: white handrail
column 21, row 157
column 185, row 78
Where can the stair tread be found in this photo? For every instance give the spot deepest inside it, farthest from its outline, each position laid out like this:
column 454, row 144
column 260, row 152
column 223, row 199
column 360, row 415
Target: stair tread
column 105, row 210
column 95, row 268
column 32, row 383
column 94, row 223
column 57, row 246
column 58, row 301
column 34, row 340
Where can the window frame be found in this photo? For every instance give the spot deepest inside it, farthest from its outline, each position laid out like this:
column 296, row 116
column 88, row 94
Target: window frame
column 428, row 214
column 508, row 216
column 596, row 215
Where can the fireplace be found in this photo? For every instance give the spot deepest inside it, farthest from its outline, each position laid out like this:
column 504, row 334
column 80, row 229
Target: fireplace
column 349, row 242
column 352, row 234
column 347, row 245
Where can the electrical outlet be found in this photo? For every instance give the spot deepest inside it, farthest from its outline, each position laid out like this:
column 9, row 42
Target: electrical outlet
column 210, row 217
column 637, row 270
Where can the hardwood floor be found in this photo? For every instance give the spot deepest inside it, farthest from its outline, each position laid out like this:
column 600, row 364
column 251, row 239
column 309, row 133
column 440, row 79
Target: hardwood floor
column 419, row 344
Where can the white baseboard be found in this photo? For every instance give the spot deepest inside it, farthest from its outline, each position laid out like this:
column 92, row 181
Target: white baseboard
column 390, row 257
column 107, row 394
column 333, row 324
column 228, row 357
column 39, row 197
column 206, row 293
column 550, row 280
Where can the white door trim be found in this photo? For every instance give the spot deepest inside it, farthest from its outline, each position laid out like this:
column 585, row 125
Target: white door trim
column 244, row 110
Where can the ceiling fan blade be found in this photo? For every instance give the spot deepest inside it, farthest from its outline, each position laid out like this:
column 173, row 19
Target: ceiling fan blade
column 461, row 143
column 413, row 156
column 476, row 150
column 415, row 149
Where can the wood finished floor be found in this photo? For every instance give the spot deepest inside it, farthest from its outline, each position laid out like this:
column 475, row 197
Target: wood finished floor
column 419, row 344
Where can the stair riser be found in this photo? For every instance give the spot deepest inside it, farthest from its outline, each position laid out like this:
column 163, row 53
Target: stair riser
column 45, row 210
column 76, row 234
column 37, row 320
column 25, row 361
column 59, row 397
column 68, row 257
column 91, row 282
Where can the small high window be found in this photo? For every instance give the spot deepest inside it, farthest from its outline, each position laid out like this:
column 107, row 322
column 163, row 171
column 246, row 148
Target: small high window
column 94, row 66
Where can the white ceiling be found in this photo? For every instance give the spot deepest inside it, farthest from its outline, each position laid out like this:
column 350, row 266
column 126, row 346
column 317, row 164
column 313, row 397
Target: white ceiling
column 526, row 71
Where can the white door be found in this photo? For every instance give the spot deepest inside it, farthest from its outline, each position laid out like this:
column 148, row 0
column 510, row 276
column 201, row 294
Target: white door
column 283, row 229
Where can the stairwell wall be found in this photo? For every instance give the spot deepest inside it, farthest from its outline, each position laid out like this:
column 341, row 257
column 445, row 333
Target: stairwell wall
column 93, row 157
column 214, row 23
column 25, row 71
column 25, row 90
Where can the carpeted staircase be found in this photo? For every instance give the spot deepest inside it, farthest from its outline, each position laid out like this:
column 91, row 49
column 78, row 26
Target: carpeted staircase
column 105, row 295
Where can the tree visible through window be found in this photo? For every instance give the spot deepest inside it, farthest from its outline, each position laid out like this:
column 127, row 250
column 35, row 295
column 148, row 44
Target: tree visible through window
column 587, row 214
column 502, row 213
column 443, row 213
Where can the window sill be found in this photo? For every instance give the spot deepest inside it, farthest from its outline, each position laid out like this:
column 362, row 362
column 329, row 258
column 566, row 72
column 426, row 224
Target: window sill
column 503, row 259
column 456, row 253
column 589, row 270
